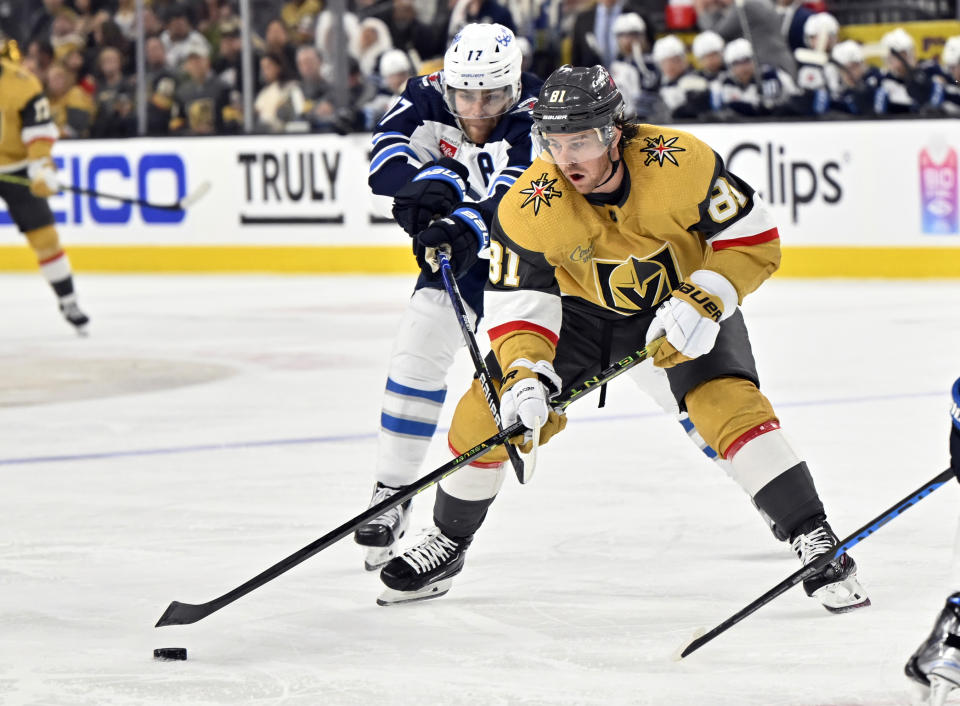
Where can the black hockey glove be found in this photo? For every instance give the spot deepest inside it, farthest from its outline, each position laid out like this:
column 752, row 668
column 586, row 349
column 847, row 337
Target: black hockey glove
column 919, row 87
column 433, row 193
column 463, row 230
column 955, row 431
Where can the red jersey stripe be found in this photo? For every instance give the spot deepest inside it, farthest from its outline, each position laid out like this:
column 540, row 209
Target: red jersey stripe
column 749, row 436
column 764, row 237
column 503, row 329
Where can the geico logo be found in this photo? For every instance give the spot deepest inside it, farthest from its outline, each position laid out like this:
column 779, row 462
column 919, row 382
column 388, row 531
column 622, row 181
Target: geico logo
column 159, row 178
column 782, row 180
column 285, row 176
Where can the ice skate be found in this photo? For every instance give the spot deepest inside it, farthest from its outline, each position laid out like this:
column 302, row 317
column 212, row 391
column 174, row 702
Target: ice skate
column 381, row 535
column 936, row 663
column 836, row 585
column 74, row 316
column 424, row 571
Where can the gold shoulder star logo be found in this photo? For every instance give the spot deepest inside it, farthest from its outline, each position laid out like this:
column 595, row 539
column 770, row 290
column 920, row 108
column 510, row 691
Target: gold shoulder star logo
column 661, row 150
column 540, row 192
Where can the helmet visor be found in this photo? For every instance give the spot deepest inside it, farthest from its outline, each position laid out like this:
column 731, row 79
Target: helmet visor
column 573, row 148
column 480, row 103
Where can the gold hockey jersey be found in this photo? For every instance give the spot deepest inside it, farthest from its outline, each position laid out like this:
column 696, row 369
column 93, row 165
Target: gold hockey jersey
column 27, row 131
column 680, row 211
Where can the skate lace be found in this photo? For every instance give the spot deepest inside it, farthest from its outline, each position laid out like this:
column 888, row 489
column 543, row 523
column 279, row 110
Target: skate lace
column 812, row 545
column 434, row 549
column 391, row 518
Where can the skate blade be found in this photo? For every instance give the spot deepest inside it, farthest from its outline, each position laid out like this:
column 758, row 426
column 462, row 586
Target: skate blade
column 82, row 331
column 940, row 688
column 377, row 557
column 842, row 596
column 434, row 590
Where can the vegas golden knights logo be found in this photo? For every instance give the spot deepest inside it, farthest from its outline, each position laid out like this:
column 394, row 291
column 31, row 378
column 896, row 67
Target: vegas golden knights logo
column 638, row 284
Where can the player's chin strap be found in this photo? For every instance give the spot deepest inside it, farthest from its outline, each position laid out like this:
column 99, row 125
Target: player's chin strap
column 616, row 165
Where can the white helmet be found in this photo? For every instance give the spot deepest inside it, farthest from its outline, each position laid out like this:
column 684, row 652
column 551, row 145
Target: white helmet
column 821, row 23
column 395, row 61
column 707, row 43
column 900, row 40
column 951, row 52
column 666, row 47
column 737, row 50
column 628, row 23
column 848, row 52
column 483, row 58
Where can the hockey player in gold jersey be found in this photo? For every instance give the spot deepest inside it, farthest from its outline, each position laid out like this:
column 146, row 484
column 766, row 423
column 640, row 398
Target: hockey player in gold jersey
column 618, row 234
column 26, row 141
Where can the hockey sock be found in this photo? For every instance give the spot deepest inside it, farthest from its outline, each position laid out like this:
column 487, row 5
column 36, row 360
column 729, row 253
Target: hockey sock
column 56, row 270
column 408, row 420
column 767, row 467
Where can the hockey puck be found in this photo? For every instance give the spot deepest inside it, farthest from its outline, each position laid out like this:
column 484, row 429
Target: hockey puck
column 169, row 653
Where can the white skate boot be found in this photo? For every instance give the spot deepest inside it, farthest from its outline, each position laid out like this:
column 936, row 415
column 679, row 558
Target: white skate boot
column 382, row 534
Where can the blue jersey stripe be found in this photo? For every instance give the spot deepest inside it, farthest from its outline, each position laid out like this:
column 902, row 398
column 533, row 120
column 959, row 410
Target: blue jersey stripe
column 433, row 395
column 389, row 153
column 406, row 426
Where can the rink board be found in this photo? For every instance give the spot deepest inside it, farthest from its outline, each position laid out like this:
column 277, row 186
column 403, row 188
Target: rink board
column 855, row 199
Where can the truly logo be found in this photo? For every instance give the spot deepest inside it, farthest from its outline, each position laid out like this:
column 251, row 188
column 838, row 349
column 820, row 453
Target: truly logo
column 940, row 212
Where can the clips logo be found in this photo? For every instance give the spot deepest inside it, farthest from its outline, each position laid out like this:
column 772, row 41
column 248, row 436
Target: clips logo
column 661, row 150
column 540, row 192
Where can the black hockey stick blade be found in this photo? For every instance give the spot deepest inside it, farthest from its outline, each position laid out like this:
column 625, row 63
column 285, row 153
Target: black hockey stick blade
column 479, row 364
column 812, row 568
column 178, row 613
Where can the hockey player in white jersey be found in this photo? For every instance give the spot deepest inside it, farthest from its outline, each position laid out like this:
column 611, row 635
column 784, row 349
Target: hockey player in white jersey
column 442, row 157
column 936, row 663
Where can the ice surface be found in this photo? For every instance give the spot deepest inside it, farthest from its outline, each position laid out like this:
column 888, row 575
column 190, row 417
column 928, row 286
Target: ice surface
column 210, row 426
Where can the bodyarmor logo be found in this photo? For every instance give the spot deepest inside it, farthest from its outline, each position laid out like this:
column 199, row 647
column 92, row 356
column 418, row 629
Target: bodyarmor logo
column 637, row 284
column 661, row 150
column 540, row 191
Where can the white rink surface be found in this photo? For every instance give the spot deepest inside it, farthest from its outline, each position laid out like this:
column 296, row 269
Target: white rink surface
column 211, row 426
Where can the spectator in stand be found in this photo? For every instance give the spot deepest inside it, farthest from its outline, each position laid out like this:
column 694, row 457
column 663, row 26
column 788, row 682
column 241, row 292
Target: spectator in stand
column 203, row 101
column 90, row 14
column 318, row 106
column 280, row 100
column 910, row 88
column 155, row 58
column 299, row 17
column 277, row 41
column 594, row 41
column 228, row 65
column 106, row 33
column 115, row 112
column 707, row 49
column 950, row 63
column 71, row 108
column 369, row 44
column 41, row 21
column 859, row 91
column 684, row 93
column 325, row 32
column 38, row 57
column 633, row 70
column 479, row 11
column 394, row 70
column 744, row 91
column 126, row 18
column 723, row 17
column 75, row 62
column 793, row 18
column 65, row 35
column 180, row 38
column 407, row 31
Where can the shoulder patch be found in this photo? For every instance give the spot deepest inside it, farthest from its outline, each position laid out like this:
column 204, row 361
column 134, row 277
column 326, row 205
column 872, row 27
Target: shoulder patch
column 525, row 106
column 540, row 192
column 660, row 150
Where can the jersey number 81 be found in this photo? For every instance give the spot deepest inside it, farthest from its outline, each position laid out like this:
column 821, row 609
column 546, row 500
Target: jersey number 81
column 497, row 270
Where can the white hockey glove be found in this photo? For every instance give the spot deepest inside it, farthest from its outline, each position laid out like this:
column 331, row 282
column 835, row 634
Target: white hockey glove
column 691, row 317
column 43, row 178
column 525, row 396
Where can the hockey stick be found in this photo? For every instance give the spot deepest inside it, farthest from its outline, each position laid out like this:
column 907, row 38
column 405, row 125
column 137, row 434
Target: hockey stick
column 815, row 566
column 181, row 205
column 480, row 365
column 186, row 613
